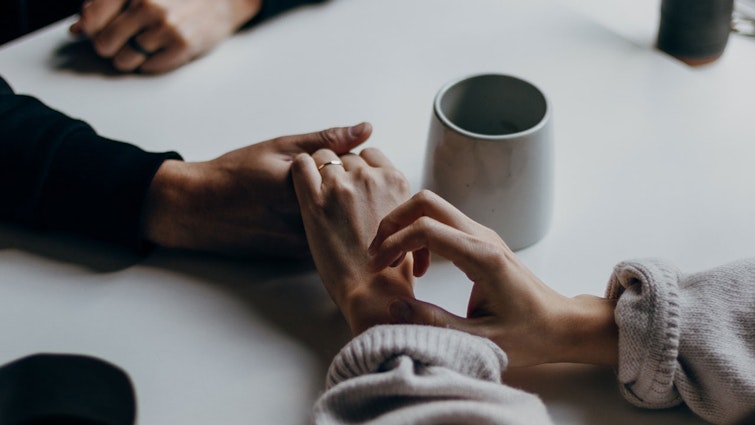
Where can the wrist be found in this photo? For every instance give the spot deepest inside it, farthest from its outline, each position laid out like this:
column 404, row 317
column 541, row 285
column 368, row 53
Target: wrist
column 368, row 303
column 167, row 208
column 587, row 332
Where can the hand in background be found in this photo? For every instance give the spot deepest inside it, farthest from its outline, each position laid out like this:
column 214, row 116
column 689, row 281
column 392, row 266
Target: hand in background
column 508, row 304
column 242, row 203
column 160, row 35
column 341, row 207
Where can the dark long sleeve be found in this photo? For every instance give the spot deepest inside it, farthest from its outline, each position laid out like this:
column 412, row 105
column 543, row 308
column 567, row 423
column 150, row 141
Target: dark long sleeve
column 57, row 173
column 271, row 8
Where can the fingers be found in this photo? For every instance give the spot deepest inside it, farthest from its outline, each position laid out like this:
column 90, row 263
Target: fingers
column 131, row 56
column 421, row 262
column 339, row 139
column 132, row 35
column 375, row 158
column 96, row 14
column 428, row 223
column 328, row 163
column 115, row 36
column 427, row 233
column 167, row 59
column 413, row 311
column 307, row 179
column 424, row 203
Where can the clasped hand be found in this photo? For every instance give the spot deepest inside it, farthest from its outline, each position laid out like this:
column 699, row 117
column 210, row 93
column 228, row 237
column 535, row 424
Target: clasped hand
column 159, row 35
column 368, row 239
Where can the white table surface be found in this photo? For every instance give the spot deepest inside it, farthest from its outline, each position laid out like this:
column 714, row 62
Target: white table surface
column 653, row 158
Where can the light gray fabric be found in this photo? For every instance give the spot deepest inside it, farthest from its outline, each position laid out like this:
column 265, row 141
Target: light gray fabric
column 687, row 338
column 682, row 339
column 410, row 374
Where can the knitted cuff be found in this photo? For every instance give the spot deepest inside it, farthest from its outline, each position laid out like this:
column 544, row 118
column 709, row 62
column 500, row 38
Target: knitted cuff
column 467, row 354
column 647, row 314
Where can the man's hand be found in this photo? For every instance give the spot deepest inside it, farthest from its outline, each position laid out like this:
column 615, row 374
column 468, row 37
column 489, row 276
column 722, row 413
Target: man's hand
column 160, row 35
column 242, row 203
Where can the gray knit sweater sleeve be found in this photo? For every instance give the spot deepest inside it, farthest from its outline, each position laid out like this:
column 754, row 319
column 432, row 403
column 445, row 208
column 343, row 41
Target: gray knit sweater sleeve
column 411, row 374
column 687, row 338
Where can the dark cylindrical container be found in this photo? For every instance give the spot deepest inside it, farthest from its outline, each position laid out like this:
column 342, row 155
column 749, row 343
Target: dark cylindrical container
column 695, row 31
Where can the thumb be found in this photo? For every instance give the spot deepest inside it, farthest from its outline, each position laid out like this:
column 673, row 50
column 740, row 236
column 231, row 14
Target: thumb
column 415, row 312
column 340, row 140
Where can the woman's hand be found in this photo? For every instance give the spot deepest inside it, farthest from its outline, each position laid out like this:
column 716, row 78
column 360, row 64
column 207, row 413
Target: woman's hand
column 341, row 206
column 508, row 303
column 160, row 35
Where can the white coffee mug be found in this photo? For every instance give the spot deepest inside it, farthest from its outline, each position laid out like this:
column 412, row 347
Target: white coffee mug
column 490, row 154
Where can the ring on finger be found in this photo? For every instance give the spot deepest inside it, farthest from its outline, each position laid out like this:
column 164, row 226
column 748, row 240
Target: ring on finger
column 331, row 162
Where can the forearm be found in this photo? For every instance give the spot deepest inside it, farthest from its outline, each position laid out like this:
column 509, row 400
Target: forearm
column 58, row 174
column 587, row 332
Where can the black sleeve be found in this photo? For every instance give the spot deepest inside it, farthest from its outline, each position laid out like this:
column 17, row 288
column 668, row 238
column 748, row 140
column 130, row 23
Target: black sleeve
column 271, row 8
column 57, row 174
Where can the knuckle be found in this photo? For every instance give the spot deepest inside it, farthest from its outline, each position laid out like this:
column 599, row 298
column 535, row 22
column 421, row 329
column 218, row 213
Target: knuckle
column 329, row 137
column 424, row 197
column 103, row 46
column 298, row 164
column 425, row 224
column 396, row 178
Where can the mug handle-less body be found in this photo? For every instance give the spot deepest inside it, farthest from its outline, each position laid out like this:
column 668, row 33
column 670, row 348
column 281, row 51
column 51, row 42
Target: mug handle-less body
column 492, row 164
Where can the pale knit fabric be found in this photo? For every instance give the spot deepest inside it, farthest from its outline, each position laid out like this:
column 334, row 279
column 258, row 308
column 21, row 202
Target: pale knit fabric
column 687, row 338
column 411, row 374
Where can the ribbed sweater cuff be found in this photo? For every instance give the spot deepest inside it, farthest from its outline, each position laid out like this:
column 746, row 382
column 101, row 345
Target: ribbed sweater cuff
column 467, row 354
column 647, row 314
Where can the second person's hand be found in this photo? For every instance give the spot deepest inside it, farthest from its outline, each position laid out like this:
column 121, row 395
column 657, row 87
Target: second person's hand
column 508, row 304
column 160, row 35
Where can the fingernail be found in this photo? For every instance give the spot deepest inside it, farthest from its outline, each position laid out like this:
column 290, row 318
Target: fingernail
column 401, row 311
column 357, row 130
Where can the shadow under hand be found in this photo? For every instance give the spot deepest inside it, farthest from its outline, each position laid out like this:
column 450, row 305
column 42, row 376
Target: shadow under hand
column 96, row 256
column 80, row 57
column 286, row 293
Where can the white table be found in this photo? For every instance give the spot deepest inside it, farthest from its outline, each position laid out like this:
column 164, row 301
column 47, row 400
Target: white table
column 653, row 159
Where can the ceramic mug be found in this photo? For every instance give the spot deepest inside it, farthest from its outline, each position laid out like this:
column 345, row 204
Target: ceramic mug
column 490, row 154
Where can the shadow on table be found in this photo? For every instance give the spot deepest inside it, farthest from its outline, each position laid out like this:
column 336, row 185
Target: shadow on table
column 79, row 57
column 287, row 294
column 290, row 296
column 93, row 255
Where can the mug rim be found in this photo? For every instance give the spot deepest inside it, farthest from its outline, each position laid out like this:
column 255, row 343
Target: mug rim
column 509, row 136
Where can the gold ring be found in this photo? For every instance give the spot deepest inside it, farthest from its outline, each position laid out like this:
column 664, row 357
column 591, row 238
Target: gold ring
column 333, row 162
